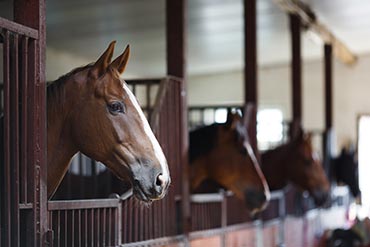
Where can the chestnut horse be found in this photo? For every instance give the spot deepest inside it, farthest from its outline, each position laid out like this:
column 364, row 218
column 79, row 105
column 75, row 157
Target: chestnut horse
column 296, row 162
column 222, row 153
column 91, row 110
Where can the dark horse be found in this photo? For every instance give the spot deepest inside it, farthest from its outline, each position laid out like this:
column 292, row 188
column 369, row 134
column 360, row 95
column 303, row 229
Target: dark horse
column 222, row 153
column 297, row 163
column 345, row 170
column 92, row 110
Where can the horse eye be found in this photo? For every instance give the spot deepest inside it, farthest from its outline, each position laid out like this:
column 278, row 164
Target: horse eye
column 116, row 108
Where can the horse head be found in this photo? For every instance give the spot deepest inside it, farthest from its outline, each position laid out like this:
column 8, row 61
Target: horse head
column 306, row 170
column 345, row 169
column 230, row 162
column 106, row 123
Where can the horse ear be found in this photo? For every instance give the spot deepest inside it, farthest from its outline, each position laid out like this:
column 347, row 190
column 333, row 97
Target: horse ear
column 120, row 62
column 229, row 117
column 103, row 62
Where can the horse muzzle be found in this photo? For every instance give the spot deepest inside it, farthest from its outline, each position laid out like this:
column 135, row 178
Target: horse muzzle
column 255, row 200
column 320, row 196
column 149, row 183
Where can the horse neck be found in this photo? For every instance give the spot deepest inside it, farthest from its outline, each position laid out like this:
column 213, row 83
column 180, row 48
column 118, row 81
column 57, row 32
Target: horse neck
column 202, row 141
column 274, row 166
column 60, row 148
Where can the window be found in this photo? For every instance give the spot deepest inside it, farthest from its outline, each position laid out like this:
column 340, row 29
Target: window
column 269, row 128
column 364, row 161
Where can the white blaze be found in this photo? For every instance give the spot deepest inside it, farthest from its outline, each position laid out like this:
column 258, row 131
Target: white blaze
column 156, row 147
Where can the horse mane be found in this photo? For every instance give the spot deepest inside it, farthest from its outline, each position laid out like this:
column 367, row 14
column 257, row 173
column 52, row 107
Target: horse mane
column 202, row 141
column 54, row 88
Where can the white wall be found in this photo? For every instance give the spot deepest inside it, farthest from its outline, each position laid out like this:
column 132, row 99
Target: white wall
column 351, row 93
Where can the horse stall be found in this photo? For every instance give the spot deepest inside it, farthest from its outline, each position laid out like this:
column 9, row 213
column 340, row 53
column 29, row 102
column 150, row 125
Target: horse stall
column 92, row 207
column 121, row 219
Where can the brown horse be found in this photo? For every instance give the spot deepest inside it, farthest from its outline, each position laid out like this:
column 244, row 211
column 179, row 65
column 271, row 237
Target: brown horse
column 222, row 153
column 92, row 110
column 296, row 162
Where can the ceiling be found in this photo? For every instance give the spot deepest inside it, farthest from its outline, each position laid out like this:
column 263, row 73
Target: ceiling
column 84, row 28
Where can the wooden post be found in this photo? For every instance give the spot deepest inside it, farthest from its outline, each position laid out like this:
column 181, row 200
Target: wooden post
column 176, row 66
column 250, row 63
column 31, row 13
column 296, row 72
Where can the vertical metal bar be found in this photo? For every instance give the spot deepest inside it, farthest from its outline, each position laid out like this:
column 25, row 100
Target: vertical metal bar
column 250, row 51
column 24, row 81
column 86, row 226
column 328, row 85
column 65, row 228
column 92, row 227
column 104, row 225
column 97, row 217
column 282, row 214
column 130, row 222
column 250, row 65
column 296, row 64
column 73, row 228
column 79, row 228
column 119, row 224
column 328, row 53
column 35, row 17
column 176, row 64
column 58, row 228
column 7, row 152
column 110, row 226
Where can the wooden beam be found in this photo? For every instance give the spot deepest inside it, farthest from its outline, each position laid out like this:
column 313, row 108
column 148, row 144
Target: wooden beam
column 311, row 22
column 296, row 67
column 250, row 65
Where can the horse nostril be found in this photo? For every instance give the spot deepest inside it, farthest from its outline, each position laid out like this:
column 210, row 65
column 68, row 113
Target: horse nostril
column 159, row 180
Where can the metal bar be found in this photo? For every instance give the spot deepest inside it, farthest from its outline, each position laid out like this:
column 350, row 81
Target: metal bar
column 14, row 115
column 7, row 152
column 85, row 228
column 250, row 51
column 328, row 68
column 58, row 229
column 24, row 122
column 104, row 226
column 145, row 81
column 250, row 66
column 79, row 227
column 110, row 226
column 34, row 17
column 176, row 64
column 18, row 28
column 119, row 224
column 97, row 218
column 92, row 227
column 73, row 228
column 83, row 204
column 296, row 64
column 65, row 228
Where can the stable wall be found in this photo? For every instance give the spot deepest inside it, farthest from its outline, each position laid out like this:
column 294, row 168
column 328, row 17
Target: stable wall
column 351, row 93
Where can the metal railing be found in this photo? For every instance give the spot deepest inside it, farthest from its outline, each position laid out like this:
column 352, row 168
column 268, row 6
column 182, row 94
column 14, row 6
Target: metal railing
column 22, row 135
